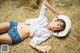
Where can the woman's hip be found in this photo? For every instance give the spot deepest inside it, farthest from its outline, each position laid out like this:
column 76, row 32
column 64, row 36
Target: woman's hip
column 13, row 33
column 18, row 32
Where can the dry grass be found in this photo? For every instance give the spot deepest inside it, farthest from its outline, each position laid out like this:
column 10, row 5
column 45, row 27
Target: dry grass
column 71, row 44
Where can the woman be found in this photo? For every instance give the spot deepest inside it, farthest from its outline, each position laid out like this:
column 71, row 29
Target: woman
column 38, row 29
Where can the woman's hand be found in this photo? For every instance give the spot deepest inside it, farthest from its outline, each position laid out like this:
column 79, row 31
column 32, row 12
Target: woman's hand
column 56, row 14
column 43, row 49
column 54, row 10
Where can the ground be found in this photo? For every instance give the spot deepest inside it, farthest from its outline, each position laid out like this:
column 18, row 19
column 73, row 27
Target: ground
column 14, row 10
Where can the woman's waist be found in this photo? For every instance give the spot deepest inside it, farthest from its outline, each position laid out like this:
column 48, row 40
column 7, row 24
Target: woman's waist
column 23, row 30
column 23, row 27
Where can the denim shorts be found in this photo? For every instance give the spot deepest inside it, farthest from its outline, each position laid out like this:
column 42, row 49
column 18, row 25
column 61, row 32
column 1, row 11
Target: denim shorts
column 13, row 33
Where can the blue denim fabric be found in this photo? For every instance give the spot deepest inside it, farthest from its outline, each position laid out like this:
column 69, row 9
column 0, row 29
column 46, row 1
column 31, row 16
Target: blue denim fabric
column 13, row 33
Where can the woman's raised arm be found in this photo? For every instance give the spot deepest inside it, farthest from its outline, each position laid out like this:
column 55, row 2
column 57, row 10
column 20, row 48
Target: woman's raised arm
column 47, row 3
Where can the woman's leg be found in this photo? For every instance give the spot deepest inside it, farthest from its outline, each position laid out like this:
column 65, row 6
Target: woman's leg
column 5, row 39
column 4, row 27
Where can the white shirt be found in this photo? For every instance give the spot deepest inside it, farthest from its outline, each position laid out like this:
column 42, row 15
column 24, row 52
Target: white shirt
column 38, row 32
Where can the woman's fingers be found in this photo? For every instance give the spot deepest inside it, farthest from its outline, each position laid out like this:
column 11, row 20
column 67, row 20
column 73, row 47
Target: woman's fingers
column 44, row 49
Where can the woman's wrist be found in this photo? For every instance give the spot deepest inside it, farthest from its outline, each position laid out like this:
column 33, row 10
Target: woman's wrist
column 33, row 45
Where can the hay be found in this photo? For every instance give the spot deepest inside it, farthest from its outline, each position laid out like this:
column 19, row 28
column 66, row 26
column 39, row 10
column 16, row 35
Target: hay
column 19, row 10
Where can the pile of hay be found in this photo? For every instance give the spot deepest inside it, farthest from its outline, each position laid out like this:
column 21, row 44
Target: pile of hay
column 20, row 10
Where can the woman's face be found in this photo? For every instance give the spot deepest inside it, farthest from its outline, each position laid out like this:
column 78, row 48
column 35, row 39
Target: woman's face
column 57, row 26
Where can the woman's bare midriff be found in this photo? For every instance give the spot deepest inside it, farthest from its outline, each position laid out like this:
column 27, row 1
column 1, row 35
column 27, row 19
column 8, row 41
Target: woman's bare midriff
column 23, row 30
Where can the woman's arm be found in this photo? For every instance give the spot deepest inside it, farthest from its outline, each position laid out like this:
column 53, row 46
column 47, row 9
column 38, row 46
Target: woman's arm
column 41, row 48
column 36, row 41
column 47, row 3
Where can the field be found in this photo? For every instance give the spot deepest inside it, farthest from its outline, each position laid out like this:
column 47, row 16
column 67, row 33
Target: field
column 21, row 10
